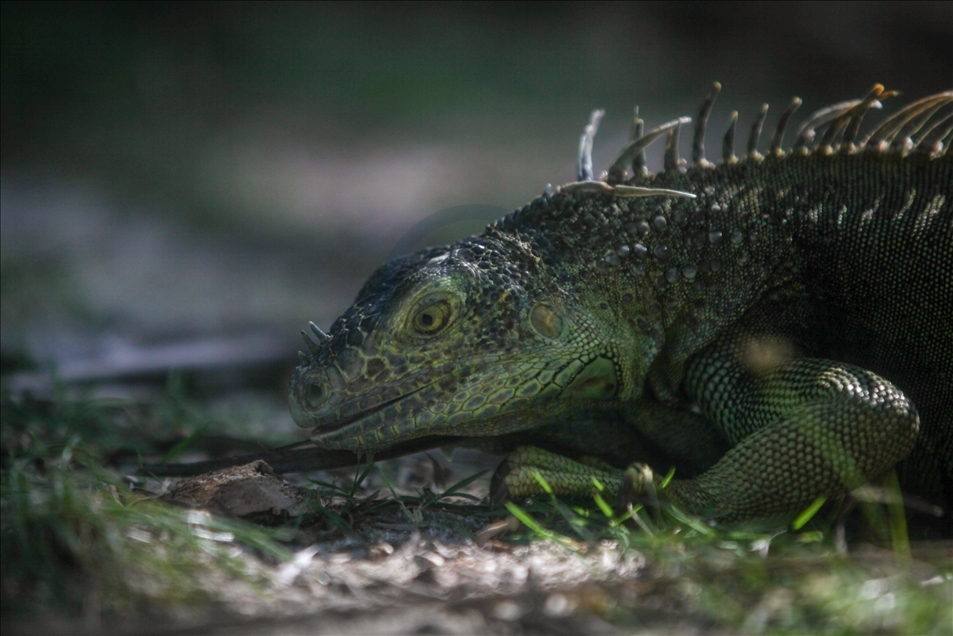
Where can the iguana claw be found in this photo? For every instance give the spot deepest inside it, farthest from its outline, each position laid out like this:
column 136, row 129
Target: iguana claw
column 638, row 484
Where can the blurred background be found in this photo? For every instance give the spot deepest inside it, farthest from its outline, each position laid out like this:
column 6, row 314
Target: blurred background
column 186, row 185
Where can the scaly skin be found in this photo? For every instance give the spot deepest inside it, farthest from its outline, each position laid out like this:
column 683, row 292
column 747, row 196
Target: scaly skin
column 785, row 334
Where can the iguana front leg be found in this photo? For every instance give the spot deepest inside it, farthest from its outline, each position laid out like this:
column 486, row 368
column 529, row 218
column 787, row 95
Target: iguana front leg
column 799, row 430
column 675, row 437
column 520, row 473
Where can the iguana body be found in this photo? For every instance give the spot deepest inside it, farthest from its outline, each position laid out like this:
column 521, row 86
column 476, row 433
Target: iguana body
column 785, row 334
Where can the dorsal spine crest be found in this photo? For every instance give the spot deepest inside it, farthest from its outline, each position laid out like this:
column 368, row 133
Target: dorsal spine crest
column 838, row 125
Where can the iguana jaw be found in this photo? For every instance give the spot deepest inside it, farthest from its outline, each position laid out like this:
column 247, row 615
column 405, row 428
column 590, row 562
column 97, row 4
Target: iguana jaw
column 475, row 397
column 379, row 429
column 481, row 404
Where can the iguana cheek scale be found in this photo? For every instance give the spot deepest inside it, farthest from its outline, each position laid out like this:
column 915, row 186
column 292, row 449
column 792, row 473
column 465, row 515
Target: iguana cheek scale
column 776, row 327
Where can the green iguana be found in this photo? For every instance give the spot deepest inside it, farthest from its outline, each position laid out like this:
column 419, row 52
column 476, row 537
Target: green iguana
column 776, row 327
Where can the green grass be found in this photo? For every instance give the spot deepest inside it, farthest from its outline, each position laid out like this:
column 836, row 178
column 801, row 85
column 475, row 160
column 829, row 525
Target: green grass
column 76, row 538
column 72, row 533
column 788, row 581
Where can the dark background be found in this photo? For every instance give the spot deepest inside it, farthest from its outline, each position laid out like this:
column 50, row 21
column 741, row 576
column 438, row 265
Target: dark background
column 173, row 171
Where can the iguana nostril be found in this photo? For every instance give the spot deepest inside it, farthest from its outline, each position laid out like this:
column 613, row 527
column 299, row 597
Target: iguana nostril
column 313, row 394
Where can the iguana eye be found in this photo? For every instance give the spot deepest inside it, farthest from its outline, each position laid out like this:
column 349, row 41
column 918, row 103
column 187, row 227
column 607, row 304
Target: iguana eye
column 432, row 318
column 545, row 321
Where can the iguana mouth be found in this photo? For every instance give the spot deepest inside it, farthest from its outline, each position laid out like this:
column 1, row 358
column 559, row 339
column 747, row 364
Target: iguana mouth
column 326, row 420
column 337, row 425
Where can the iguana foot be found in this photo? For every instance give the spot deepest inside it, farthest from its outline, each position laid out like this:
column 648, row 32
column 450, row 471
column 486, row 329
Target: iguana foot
column 525, row 471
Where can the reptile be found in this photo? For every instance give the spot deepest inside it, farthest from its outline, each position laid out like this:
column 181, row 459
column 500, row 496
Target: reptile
column 776, row 326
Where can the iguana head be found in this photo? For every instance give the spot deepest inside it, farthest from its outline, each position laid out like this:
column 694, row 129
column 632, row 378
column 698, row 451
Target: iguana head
column 483, row 337
column 461, row 340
